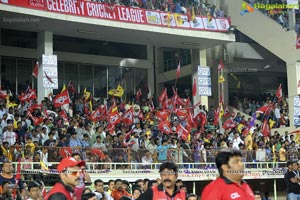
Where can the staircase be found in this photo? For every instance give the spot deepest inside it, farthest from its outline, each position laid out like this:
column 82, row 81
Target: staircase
column 264, row 30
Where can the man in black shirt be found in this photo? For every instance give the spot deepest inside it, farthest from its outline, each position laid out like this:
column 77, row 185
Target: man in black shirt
column 293, row 180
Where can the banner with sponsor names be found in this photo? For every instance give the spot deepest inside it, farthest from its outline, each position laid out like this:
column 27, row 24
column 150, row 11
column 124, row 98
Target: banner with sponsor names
column 184, row 174
column 50, row 75
column 124, row 14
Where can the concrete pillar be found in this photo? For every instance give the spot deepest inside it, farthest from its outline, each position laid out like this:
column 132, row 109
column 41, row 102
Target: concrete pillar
column 159, row 62
column 44, row 46
column 150, row 72
column 292, row 19
column 293, row 75
column 198, row 59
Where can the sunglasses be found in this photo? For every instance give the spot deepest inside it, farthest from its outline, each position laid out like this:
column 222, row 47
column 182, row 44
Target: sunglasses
column 73, row 172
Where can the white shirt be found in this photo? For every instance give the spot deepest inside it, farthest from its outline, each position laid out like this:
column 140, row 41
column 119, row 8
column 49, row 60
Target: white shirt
column 236, row 142
column 277, row 113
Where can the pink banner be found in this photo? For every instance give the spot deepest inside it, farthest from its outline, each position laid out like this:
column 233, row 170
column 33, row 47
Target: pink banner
column 124, row 14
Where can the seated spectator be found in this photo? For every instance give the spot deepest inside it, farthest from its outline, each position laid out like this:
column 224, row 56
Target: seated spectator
column 33, row 190
column 119, row 191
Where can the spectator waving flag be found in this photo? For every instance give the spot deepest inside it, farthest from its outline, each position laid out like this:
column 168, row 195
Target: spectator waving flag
column 3, row 94
column 279, row 93
column 228, row 124
column 64, row 115
column 61, row 99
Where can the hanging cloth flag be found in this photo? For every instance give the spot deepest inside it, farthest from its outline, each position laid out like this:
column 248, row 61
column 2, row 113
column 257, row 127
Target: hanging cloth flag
column 298, row 42
column 279, row 93
column 221, row 79
column 194, row 91
column 220, row 65
column 35, row 71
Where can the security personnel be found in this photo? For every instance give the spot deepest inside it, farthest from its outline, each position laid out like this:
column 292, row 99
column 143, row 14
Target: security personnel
column 230, row 184
column 70, row 171
column 167, row 189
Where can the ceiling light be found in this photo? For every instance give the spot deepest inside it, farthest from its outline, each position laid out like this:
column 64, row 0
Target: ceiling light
column 267, row 66
column 191, row 43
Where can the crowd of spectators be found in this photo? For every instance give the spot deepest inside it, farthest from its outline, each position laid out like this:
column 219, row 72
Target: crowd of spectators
column 200, row 7
column 278, row 14
column 25, row 139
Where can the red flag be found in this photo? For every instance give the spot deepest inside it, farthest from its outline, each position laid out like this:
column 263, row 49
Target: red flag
column 263, row 109
column 141, row 116
column 216, row 116
column 98, row 153
column 35, row 120
column 178, row 70
column 97, row 114
column 229, row 124
column 194, row 92
column 35, row 107
column 164, row 127
column 3, row 94
column 127, row 135
column 48, row 78
column 29, row 95
column 35, row 71
column 61, row 99
column 114, row 118
column 181, row 114
column 65, row 152
column 127, row 118
column 64, row 115
column 220, row 65
column 163, row 95
column 265, row 128
column 138, row 94
column 182, row 132
column 279, row 93
column 71, row 87
column 226, row 112
column 162, row 115
column 298, row 42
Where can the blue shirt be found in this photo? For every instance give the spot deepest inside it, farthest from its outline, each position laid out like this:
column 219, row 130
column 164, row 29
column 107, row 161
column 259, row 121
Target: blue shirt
column 162, row 152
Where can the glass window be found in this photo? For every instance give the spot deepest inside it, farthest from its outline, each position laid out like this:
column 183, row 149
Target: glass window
column 100, row 81
column 8, row 73
column 86, row 77
column 24, row 74
column 128, row 81
column 141, row 81
column 114, row 77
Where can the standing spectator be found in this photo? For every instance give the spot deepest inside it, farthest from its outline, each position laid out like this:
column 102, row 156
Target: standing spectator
column 147, row 160
column 236, row 141
column 167, row 189
column 230, row 183
column 293, row 186
column 117, row 193
column 9, row 135
column 162, row 151
column 69, row 172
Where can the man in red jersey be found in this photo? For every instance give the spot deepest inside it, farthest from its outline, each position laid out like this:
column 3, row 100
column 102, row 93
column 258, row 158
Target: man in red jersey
column 230, row 184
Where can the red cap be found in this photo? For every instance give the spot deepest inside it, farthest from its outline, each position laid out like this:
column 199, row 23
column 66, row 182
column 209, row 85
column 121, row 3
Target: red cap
column 69, row 162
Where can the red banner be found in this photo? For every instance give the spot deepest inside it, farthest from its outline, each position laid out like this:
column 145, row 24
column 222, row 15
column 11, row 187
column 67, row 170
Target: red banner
column 124, row 14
